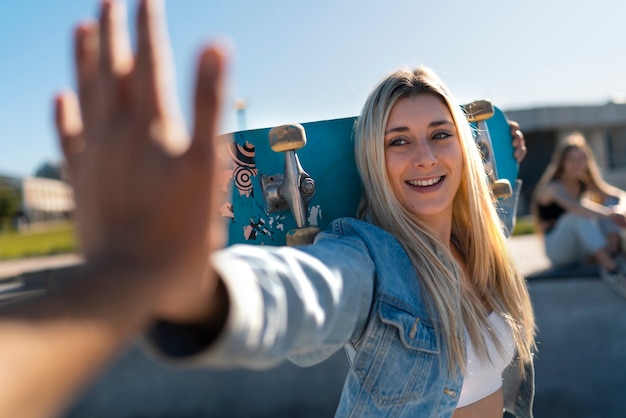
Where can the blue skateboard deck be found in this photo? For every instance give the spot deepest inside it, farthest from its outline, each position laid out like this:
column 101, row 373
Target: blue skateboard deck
column 328, row 157
column 492, row 135
column 499, row 131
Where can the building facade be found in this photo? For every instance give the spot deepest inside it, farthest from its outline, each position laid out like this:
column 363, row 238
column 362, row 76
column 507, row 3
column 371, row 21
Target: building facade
column 41, row 199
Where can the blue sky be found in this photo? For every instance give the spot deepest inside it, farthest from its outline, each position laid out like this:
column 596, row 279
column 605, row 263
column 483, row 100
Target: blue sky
column 308, row 60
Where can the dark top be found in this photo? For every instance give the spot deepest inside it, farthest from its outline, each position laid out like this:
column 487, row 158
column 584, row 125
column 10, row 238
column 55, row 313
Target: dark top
column 550, row 212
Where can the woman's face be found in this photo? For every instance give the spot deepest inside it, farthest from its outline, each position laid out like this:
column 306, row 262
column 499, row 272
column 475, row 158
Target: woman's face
column 423, row 156
column 574, row 164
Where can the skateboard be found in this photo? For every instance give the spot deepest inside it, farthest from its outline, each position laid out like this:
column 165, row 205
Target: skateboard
column 492, row 134
column 288, row 182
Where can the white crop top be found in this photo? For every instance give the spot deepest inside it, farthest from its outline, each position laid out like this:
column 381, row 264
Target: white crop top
column 484, row 377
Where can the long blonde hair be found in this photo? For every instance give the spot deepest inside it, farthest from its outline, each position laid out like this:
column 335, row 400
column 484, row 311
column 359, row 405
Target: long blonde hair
column 476, row 228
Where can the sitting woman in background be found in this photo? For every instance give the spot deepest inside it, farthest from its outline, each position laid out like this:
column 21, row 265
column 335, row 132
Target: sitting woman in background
column 578, row 212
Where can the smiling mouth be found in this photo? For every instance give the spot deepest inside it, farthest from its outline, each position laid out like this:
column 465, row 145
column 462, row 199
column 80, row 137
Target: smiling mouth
column 425, row 183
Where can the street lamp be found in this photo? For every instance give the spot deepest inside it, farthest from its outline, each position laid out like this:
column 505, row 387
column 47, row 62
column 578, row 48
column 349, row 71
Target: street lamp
column 240, row 107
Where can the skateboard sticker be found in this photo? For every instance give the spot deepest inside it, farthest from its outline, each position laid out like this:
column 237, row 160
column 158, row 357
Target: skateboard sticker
column 243, row 157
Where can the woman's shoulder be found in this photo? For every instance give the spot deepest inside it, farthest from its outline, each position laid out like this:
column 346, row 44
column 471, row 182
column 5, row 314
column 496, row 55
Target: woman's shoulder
column 347, row 226
column 554, row 183
column 372, row 236
column 351, row 222
column 544, row 195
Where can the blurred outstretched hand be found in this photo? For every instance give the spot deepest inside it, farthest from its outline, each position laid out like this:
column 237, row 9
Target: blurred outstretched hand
column 146, row 193
column 148, row 211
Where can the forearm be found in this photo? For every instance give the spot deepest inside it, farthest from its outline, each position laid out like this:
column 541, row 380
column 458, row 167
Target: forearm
column 154, row 203
column 616, row 200
column 51, row 346
column 591, row 209
column 283, row 303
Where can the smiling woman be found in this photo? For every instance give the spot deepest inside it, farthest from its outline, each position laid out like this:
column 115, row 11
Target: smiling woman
column 421, row 290
column 423, row 158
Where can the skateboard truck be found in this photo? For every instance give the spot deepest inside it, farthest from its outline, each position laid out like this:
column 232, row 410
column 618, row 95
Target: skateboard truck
column 295, row 187
column 478, row 112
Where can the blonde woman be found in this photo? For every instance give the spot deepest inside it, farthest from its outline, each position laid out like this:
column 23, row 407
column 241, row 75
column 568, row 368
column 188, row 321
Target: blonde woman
column 422, row 291
column 577, row 211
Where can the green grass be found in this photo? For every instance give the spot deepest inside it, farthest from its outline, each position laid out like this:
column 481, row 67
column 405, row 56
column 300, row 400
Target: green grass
column 55, row 239
column 524, row 225
column 60, row 238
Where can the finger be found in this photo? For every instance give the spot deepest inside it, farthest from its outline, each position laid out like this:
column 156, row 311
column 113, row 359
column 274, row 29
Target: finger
column 115, row 51
column 207, row 101
column 86, row 46
column 152, row 76
column 518, row 138
column 208, row 150
column 115, row 56
column 519, row 144
column 520, row 153
column 69, row 128
column 516, row 133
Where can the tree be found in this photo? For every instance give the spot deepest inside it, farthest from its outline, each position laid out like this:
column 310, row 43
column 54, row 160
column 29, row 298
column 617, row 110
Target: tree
column 50, row 170
column 9, row 206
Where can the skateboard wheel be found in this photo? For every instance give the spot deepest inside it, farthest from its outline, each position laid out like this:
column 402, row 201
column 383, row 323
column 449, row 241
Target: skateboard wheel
column 287, row 137
column 502, row 189
column 478, row 110
column 302, row 236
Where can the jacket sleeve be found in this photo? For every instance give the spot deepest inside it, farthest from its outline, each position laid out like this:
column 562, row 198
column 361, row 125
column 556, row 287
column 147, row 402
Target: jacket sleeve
column 518, row 390
column 301, row 304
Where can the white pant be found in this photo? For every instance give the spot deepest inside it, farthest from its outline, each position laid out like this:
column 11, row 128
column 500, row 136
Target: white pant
column 575, row 238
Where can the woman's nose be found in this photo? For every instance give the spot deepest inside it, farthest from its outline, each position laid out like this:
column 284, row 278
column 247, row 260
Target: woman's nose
column 424, row 156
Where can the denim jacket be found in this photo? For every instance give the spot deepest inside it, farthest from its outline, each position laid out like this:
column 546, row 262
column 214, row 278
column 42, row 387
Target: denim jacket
column 354, row 287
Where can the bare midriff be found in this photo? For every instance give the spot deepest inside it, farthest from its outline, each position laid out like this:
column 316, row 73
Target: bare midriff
column 488, row 407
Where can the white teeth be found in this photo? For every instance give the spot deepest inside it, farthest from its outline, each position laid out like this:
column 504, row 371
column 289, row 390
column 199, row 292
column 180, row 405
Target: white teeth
column 424, row 183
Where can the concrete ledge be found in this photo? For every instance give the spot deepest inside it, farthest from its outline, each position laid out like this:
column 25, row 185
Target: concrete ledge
column 579, row 371
column 582, row 349
column 15, row 267
column 135, row 386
